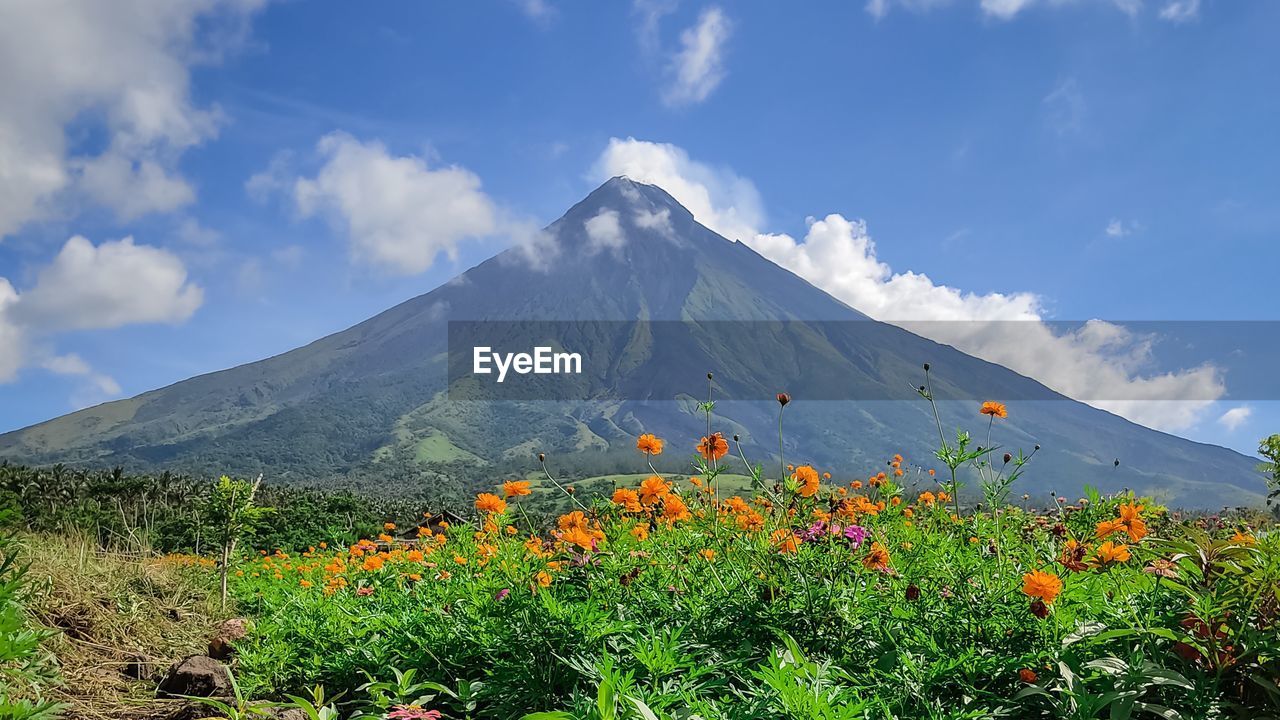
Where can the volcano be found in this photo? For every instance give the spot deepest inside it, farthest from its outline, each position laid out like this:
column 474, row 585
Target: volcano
column 373, row 405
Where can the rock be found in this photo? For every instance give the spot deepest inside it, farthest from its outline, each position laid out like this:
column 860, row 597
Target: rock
column 196, row 676
column 290, row 714
column 222, row 645
column 137, row 668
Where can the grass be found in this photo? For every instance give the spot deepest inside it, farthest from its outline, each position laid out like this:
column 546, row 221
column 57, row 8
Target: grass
column 123, row 618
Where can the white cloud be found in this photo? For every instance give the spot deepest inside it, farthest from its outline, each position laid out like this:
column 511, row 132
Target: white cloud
column 999, row 9
column 651, row 13
column 659, row 221
column 114, row 284
column 13, row 341
column 1100, row 362
column 604, row 232
column 1235, row 417
column 717, row 197
column 698, row 67
column 1116, row 228
column 84, row 288
column 398, row 213
column 97, row 386
column 1180, row 11
column 121, row 66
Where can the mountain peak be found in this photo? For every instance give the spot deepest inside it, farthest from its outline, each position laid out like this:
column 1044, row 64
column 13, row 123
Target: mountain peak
column 621, row 193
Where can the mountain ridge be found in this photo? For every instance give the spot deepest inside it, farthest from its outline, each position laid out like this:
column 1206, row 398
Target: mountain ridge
column 371, row 399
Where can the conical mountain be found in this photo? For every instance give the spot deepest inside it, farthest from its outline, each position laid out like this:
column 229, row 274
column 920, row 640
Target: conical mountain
column 372, row 403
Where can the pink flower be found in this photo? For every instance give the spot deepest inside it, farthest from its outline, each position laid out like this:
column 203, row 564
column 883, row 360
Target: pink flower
column 412, row 712
column 364, row 591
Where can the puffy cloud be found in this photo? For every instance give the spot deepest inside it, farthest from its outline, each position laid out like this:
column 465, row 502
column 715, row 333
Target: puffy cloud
column 398, row 213
column 1235, row 417
column 123, row 66
column 1099, row 362
column 656, row 220
column 86, row 287
column 12, row 340
column 717, row 197
column 114, row 284
column 604, row 232
column 698, row 67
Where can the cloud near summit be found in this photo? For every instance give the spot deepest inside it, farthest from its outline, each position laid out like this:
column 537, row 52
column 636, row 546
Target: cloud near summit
column 837, row 254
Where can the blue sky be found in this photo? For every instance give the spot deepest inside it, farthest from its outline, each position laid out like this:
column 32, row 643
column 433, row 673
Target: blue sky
column 273, row 163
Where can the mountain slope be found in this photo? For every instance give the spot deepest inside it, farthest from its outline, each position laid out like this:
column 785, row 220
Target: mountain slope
column 371, row 400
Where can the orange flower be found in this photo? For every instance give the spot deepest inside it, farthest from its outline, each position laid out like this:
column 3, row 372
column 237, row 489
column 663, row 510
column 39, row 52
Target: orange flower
column 1241, row 538
column 877, row 557
column 628, row 499
column 674, row 509
column 707, row 554
column 653, row 489
column 459, row 560
column 389, row 526
column 1027, row 676
column 573, row 519
column 1108, row 527
column 1130, row 512
column 490, row 503
column 713, row 447
column 994, row 409
column 640, row 532
column 1042, row 586
column 751, row 521
column 927, row 499
column 1109, row 552
column 579, row 536
column 649, row 444
column 515, row 488
column 1137, row 529
column 809, row 480
column 543, row 578
column 1072, row 556
column 784, row 540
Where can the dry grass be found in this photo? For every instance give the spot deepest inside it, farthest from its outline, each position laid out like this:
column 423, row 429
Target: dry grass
column 124, row 616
